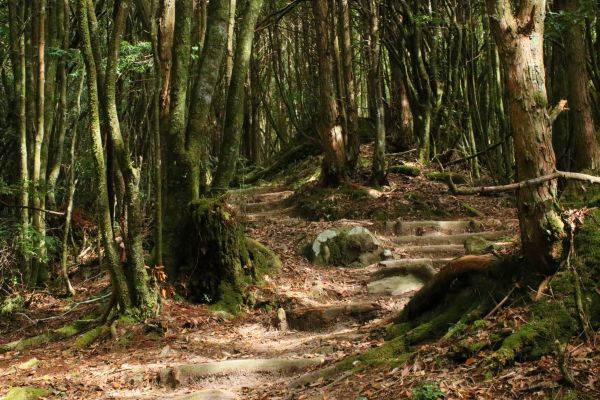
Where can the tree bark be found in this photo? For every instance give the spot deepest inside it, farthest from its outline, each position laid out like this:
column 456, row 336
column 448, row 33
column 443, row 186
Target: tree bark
column 586, row 153
column 333, row 168
column 111, row 259
column 520, row 40
column 17, row 38
column 234, row 114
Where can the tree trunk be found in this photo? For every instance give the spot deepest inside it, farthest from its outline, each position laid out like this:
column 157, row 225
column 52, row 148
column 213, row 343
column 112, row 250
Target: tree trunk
column 234, row 114
column 333, row 169
column 208, row 74
column 353, row 140
column 378, row 176
column 586, row 153
column 111, row 259
column 17, row 38
column 141, row 294
column 520, row 39
column 38, row 173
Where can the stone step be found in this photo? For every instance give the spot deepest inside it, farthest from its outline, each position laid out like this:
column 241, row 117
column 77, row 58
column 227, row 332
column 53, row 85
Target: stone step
column 241, row 194
column 424, row 228
column 262, row 215
column 458, row 238
column 250, row 208
column 441, row 250
column 395, row 285
column 271, row 196
column 186, row 373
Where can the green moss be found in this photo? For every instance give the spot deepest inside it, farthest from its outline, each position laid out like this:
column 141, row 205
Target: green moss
column 264, row 260
column 550, row 322
column 225, row 262
column 472, row 211
column 392, row 353
column 230, row 299
column 89, row 337
column 11, row 305
column 405, row 169
column 26, row 393
column 445, row 176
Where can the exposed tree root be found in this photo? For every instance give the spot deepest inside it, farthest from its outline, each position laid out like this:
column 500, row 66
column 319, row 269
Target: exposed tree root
column 64, row 332
column 435, row 289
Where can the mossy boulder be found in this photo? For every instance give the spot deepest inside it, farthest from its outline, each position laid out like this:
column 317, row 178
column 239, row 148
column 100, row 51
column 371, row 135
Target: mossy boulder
column 346, row 246
column 222, row 262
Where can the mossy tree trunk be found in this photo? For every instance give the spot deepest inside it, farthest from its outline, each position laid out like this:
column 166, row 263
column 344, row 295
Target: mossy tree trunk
column 143, row 297
column 221, row 261
column 234, row 113
column 111, row 259
column 17, row 38
column 520, row 40
column 185, row 151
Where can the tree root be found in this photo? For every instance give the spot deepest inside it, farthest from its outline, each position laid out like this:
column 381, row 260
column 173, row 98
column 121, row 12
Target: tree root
column 434, row 290
column 64, row 332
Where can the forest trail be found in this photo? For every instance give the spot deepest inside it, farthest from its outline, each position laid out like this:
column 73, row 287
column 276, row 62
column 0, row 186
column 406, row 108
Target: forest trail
column 332, row 313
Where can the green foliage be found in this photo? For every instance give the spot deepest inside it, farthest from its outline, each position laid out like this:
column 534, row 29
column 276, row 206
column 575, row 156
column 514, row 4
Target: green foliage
column 135, row 58
column 30, row 248
column 427, row 391
column 11, row 304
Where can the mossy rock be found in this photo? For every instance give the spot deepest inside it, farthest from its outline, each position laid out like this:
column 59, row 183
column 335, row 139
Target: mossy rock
column 355, row 246
column 405, row 169
column 26, row 393
column 445, row 177
column 477, row 245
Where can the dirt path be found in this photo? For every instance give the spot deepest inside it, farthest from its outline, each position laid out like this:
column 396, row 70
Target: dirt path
column 332, row 312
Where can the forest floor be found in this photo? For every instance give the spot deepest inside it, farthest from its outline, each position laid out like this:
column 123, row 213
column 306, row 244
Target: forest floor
column 126, row 366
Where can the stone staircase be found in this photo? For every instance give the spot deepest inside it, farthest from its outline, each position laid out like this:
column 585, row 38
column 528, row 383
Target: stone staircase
column 423, row 247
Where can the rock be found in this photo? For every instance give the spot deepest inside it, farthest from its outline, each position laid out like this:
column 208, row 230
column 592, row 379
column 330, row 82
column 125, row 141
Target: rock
column 477, row 245
column 387, row 254
column 346, row 246
column 317, row 288
column 395, row 285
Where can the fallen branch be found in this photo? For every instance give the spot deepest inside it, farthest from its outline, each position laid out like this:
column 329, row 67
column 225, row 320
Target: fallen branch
column 468, row 158
column 50, row 212
column 519, row 185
